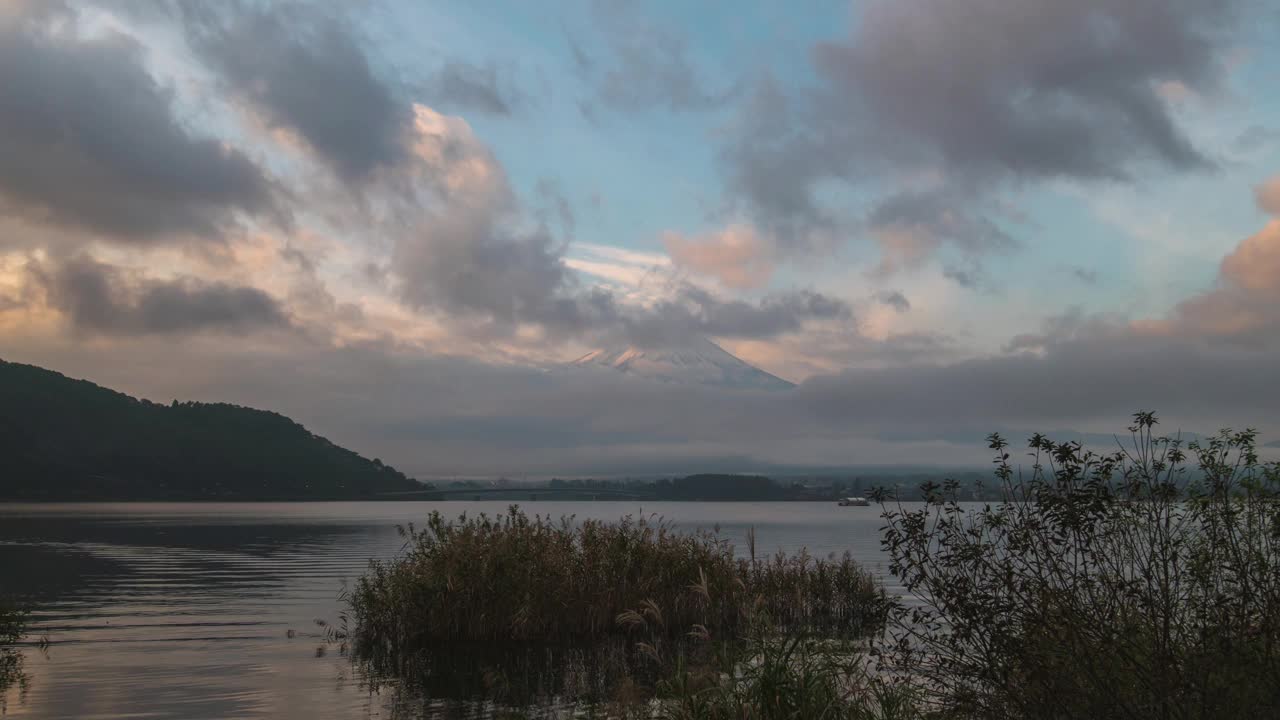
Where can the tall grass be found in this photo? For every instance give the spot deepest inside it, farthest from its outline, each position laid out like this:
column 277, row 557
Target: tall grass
column 598, row 603
column 12, row 630
column 786, row 677
column 521, row 578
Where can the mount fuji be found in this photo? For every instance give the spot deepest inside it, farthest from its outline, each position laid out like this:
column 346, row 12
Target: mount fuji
column 697, row 361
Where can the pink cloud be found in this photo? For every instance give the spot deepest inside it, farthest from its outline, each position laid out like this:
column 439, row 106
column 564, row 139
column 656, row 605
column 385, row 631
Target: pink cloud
column 1245, row 303
column 736, row 256
column 1268, row 196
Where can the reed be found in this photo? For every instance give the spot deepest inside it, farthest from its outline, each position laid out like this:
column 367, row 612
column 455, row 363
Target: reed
column 12, row 630
column 777, row 676
column 517, row 578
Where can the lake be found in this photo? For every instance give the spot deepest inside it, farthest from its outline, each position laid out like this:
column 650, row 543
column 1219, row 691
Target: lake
column 202, row 610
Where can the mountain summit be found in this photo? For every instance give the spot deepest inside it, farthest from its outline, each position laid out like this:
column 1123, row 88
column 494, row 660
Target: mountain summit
column 696, row 362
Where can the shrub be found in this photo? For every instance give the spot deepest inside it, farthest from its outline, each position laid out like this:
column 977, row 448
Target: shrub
column 1115, row 585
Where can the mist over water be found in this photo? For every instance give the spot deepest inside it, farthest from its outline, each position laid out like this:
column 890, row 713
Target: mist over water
column 209, row 610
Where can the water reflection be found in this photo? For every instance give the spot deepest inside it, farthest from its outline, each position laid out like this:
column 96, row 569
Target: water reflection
column 208, row 611
column 175, row 615
column 12, row 675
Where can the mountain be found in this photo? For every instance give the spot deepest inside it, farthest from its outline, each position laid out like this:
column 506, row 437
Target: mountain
column 698, row 361
column 65, row 439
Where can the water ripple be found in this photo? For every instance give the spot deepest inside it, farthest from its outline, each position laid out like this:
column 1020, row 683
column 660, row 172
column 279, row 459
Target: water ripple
column 199, row 611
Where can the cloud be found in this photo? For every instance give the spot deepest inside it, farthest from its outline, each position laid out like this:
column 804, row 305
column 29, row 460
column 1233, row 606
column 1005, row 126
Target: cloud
column 1241, row 309
column 644, row 65
column 1048, row 89
column 736, row 256
column 629, row 271
column 1070, row 326
column 303, row 68
column 1268, row 196
column 1244, row 306
column 1255, row 137
column 908, row 398
column 949, row 106
column 465, row 251
column 895, row 300
column 774, row 161
column 1085, row 275
column 90, row 140
column 465, row 86
column 100, row 298
column 964, row 277
column 468, row 251
column 434, row 416
column 910, row 226
column 1081, row 380
column 978, row 96
column 694, row 310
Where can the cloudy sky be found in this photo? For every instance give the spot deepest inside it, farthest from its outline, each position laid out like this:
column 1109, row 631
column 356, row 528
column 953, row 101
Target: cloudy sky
column 396, row 221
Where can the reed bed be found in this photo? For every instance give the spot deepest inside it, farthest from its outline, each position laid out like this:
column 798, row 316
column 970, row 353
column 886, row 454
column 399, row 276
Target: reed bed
column 517, row 578
column 795, row 677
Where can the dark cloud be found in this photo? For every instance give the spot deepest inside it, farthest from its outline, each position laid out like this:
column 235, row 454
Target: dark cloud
column 465, row 251
column 1072, row 325
column 469, row 267
column 1081, row 380
column 304, row 69
column 464, row 86
column 90, row 140
column 1049, row 89
column 695, row 312
column 982, row 95
column 895, row 300
column 942, row 217
column 774, row 160
column 911, row 226
column 100, row 298
column 1085, row 275
column 964, row 277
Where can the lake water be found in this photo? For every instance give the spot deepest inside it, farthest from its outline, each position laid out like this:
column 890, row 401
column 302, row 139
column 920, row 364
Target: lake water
column 209, row 610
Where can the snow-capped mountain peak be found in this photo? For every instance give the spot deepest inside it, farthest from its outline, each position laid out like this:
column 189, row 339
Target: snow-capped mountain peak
column 698, row 361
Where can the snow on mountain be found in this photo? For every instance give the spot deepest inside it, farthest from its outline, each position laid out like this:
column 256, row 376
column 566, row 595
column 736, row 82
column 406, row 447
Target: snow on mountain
column 697, row 362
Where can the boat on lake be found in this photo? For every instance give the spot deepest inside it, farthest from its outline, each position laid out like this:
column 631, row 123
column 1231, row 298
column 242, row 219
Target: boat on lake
column 855, row 502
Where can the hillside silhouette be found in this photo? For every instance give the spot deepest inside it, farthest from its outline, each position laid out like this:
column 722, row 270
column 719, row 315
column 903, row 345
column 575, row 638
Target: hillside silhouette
column 67, row 439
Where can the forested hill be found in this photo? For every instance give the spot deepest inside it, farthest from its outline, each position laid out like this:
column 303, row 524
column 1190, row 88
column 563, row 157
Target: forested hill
column 65, row 439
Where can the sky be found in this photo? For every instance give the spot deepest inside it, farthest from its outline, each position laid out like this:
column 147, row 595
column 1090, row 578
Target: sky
column 396, row 222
